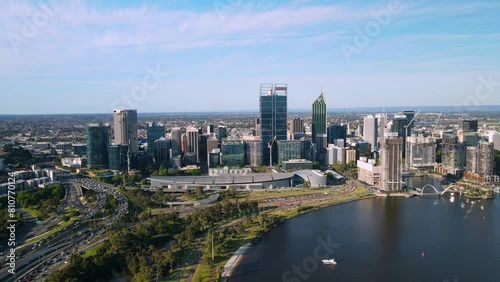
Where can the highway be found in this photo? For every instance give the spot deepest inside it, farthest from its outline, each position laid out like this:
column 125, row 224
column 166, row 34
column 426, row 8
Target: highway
column 36, row 260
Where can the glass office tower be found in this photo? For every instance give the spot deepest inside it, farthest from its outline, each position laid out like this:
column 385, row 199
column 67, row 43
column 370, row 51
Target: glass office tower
column 97, row 145
column 273, row 118
column 155, row 131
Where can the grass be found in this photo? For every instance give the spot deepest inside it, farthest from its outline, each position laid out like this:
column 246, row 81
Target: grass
column 92, row 251
column 263, row 195
column 54, row 230
column 32, row 212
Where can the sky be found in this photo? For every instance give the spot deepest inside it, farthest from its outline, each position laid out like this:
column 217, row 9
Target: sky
column 185, row 55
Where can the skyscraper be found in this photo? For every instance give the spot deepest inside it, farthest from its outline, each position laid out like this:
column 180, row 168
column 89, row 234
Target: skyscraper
column 233, row 153
column 207, row 143
column 97, row 145
column 117, row 156
column 253, row 150
column 222, row 133
column 296, row 125
column 193, row 136
column 391, row 161
column 125, row 127
column 453, row 153
column 176, row 141
column 494, row 137
column 318, row 117
column 486, row 158
column 337, row 134
column 210, row 130
column 370, row 130
column 155, row 131
column 273, row 117
column 162, row 150
column 469, row 125
column 318, row 127
column 409, row 120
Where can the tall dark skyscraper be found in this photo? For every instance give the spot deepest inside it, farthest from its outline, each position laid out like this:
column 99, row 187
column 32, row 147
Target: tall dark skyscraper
column 97, row 145
column 222, row 133
column 318, row 116
column 469, row 126
column 409, row 117
column 273, row 118
column 319, row 126
column 337, row 134
column 155, row 131
column 117, row 157
column 176, row 141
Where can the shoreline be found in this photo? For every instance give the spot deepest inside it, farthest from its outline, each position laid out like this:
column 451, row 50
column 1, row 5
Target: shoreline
column 237, row 257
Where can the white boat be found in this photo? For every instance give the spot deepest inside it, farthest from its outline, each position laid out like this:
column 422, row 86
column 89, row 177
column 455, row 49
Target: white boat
column 329, row 261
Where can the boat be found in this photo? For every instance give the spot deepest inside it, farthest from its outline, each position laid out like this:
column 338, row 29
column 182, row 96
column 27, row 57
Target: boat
column 329, row 261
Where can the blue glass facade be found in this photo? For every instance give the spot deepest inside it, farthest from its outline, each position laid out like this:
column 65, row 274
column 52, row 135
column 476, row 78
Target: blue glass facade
column 97, row 145
column 273, row 118
column 155, row 131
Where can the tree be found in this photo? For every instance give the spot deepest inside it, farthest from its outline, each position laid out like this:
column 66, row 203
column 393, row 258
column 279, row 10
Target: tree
column 200, row 193
column 159, row 195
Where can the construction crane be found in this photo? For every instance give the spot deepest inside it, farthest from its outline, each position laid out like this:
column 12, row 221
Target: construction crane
column 270, row 146
column 435, row 125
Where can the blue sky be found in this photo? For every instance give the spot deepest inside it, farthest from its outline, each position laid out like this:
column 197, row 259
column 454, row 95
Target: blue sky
column 93, row 56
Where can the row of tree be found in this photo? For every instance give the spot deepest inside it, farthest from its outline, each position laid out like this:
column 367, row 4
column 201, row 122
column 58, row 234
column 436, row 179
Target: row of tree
column 138, row 249
column 43, row 200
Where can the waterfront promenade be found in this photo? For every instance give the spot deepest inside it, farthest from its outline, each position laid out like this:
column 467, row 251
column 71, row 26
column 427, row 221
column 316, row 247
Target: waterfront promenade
column 233, row 261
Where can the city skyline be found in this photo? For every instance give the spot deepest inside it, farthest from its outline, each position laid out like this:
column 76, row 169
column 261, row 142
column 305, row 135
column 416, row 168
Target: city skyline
column 423, row 54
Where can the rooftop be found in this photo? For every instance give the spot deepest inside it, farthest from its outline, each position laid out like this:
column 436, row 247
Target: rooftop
column 223, row 179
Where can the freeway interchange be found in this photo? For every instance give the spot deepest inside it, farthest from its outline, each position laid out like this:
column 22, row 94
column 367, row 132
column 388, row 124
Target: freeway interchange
column 35, row 260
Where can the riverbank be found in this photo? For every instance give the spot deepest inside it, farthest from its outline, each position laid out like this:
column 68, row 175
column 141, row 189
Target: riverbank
column 254, row 235
column 233, row 261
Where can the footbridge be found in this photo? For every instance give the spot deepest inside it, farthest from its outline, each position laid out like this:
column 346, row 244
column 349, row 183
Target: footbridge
column 435, row 192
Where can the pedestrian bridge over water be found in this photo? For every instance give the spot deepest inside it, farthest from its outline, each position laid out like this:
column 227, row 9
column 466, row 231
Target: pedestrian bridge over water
column 430, row 190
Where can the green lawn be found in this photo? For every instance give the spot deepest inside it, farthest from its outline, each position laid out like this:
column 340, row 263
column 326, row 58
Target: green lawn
column 92, row 251
column 54, row 230
column 34, row 213
column 263, row 195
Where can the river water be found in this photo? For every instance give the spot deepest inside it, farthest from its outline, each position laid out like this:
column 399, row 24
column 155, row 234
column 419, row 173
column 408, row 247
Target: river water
column 440, row 239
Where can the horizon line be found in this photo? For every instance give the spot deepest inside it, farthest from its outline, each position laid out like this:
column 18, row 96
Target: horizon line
column 344, row 109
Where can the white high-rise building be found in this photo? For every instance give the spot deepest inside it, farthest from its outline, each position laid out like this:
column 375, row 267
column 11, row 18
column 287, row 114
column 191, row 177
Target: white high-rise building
column 392, row 162
column 494, row 137
column 370, row 130
column 125, row 128
column 253, row 150
column 335, row 155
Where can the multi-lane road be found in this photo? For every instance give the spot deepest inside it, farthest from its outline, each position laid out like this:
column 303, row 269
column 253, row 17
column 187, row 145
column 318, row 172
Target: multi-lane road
column 36, row 260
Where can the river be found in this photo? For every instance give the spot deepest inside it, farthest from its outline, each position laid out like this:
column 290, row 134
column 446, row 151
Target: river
column 398, row 239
